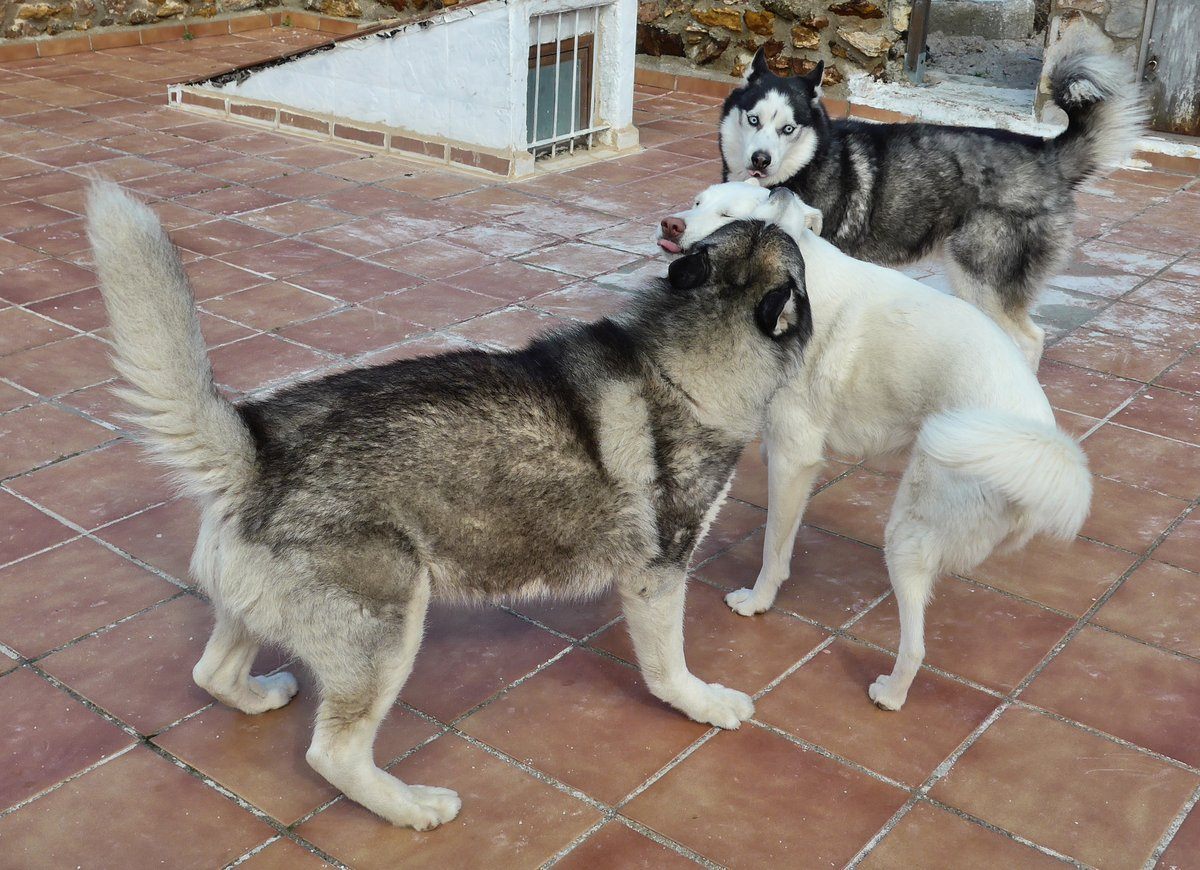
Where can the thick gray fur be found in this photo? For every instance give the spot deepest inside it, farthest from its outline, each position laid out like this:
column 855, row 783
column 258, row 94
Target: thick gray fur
column 334, row 510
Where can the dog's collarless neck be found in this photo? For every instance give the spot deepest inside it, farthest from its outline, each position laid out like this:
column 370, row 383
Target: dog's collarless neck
column 659, row 374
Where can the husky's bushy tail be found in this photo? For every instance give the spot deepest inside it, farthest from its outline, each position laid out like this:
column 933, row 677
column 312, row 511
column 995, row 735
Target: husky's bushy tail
column 159, row 350
column 1100, row 95
column 1035, row 466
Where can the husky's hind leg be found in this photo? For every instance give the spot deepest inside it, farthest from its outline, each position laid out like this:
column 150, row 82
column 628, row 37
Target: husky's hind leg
column 1000, row 265
column 1013, row 319
column 362, row 662
column 224, row 670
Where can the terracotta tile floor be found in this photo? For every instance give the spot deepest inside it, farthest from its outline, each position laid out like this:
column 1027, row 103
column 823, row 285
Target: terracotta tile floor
column 1057, row 718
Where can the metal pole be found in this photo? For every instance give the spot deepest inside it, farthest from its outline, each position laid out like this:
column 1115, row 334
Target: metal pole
column 918, row 27
column 595, row 60
column 574, row 80
column 557, row 63
column 1144, row 47
column 537, row 78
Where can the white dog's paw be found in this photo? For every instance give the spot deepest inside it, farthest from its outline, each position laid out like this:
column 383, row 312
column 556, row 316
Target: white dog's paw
column 260, row 694
column 742, row 601
column 431, row 806
column 276, row 689
column 717, row 705
column 885, row 695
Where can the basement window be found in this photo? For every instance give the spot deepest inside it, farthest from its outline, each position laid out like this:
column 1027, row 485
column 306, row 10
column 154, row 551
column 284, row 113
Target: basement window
column 560, row 104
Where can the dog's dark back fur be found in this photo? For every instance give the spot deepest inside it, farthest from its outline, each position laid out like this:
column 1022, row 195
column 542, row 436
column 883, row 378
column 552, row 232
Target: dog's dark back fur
column 491, row 466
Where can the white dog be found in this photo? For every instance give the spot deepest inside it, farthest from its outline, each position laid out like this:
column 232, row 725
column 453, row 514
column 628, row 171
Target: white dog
column 722, row 203
column 895, row 364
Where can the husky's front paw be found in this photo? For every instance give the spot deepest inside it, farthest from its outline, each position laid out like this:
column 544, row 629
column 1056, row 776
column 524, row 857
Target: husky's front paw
column 885, row 695
column 744, row 602
column 714, row 704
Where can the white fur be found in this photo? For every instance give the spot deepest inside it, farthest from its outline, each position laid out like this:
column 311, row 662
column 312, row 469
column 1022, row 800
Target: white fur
column 893, row 364
column 722, row 203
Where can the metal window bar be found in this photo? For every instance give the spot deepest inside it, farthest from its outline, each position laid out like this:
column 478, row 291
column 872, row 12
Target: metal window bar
column 577, row 49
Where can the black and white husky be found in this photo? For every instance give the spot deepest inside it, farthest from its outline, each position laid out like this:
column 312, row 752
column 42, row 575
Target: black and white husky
column 997, row 204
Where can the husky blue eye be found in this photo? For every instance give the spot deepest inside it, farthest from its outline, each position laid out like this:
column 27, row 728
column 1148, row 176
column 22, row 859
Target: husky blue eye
column 753, row 119
column 789, row 130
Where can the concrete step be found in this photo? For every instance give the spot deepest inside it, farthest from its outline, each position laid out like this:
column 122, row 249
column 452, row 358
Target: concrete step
column 1013, row 63
column 990, row 19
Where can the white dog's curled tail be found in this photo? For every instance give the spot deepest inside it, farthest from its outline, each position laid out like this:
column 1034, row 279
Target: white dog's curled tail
column 1034, row 465
column 1098, row 91
column 159, row 349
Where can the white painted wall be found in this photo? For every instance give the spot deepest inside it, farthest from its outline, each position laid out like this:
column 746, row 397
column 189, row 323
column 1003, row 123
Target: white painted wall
column 463, row 77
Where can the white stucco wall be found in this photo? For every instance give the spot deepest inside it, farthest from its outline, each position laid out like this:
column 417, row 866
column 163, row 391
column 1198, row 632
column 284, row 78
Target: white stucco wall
column 463, row 77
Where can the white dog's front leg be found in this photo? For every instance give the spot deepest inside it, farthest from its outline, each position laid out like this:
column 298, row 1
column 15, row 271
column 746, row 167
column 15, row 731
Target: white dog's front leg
column 792, row 470
column 654, row 615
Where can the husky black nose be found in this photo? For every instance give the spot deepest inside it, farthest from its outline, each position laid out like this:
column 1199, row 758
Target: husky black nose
column 760, row 160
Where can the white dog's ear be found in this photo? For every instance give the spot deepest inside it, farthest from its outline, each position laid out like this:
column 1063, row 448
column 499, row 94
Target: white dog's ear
column 813, row 219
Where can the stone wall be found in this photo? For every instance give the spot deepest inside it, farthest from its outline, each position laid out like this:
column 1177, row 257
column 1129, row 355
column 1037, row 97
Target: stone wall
column 722, row 35
column 24, row 18
column 1121, row 21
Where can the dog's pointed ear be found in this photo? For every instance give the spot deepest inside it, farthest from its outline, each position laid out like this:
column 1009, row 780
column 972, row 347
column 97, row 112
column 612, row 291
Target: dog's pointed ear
column 758, row 66
column 784, row 312
column 688, row 273
column 812, row 80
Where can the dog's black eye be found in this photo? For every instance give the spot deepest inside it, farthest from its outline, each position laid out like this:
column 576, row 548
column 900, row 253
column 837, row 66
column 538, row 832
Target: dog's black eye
column 789, row 130
column 752, row 120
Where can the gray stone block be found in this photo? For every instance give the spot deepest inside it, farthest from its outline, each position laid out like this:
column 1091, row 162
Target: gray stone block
column 991, row 19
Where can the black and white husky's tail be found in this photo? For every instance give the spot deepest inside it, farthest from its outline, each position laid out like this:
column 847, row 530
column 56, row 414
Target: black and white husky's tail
column 1035, row 466
column 159, row 349
column 1100, row 95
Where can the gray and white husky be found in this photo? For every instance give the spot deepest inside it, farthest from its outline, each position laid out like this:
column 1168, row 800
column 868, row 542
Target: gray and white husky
column 334, row 510
column 998, row 205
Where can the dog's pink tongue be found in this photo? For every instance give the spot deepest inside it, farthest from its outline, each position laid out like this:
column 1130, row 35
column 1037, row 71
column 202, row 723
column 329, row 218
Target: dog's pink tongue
column 669, row 246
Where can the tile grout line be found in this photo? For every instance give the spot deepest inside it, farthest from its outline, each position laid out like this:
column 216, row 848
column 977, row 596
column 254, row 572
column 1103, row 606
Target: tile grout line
column 250, row 854
column 244, row 804
column 651, row 834
column 715, row 555
column 1085, row 620
column 74, row 776
column 1012, row 697
column 1164, row 842
column 995, row 829
column 84, row 534
column 943, row 770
